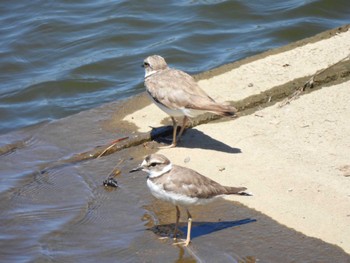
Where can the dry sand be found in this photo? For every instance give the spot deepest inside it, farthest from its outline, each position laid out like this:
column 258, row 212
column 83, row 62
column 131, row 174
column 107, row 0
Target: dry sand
column 292, row 160
column 295, row 159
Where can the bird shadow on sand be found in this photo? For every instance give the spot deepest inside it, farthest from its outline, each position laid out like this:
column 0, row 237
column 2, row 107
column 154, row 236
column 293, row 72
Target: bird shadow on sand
column 192, row 138
column 199, row 228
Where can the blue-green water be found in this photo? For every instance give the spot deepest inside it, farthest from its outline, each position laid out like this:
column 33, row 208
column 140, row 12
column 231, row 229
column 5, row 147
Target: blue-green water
column 61, row 57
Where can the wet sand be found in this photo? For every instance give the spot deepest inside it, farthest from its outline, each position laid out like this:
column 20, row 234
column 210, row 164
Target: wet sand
column 294, row 159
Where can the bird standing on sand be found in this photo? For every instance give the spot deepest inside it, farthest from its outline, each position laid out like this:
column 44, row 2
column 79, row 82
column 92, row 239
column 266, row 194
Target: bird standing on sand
column 182, row 187
column 178, row 94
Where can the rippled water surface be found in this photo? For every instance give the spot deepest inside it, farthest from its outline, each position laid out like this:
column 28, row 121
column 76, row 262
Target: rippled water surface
column 61, row 57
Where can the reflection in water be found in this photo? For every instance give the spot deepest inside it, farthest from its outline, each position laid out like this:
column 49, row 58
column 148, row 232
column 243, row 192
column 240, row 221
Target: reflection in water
column 186, row 259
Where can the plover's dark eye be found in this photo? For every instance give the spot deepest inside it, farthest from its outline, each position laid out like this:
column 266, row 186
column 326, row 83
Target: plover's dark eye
column 145, row 64
column 153, row 164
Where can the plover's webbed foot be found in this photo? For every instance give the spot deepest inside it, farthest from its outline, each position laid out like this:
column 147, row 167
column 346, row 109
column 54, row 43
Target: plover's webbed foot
column 171, row 236
column 182, row 242
column 167, row 146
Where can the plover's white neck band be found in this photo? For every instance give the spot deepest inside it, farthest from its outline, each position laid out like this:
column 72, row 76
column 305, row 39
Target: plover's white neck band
column 147, row 74
column 154, row 174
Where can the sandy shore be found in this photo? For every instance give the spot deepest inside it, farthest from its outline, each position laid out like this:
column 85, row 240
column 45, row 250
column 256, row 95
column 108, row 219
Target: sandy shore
column 295, row 159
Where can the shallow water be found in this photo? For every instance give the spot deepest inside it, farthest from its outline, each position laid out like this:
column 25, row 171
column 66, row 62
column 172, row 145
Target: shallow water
column 62, row 213
column 59, row 57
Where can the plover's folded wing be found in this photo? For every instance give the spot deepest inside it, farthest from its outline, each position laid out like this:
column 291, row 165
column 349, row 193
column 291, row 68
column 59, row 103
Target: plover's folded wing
column 176, row 89
column 188, row 182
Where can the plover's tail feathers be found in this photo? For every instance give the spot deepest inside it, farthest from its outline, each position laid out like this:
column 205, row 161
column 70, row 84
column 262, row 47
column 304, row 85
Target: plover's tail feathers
column 227, row 111
column 208, row 104
column 237, row 191
column 230, row 111
column 245, row 193
column 223, row 110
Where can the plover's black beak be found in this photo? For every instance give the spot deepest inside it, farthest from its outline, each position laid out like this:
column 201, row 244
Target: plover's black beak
column 136, row 169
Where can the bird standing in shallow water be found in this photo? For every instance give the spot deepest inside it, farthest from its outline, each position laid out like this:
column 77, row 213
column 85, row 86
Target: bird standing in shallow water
column 178, row 94
column 182, row 186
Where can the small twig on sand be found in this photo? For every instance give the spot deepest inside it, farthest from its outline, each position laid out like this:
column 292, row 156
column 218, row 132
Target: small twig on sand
column 309, row 84
column 111, row 146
